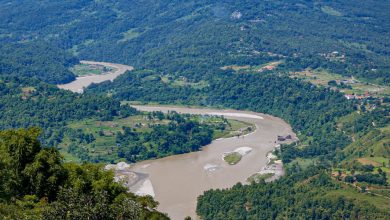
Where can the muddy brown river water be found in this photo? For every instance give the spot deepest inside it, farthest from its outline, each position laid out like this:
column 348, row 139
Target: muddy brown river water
column 82, row 82
column 177, row 181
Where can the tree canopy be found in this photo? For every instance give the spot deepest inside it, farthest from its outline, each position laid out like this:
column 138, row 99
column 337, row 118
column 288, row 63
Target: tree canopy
column 36, row 184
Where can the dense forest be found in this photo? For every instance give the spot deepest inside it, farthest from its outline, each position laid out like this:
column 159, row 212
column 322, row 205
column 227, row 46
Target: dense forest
column 180, row 135
column 36, row 184
column 288, row 199
column 38, row 60
column 195, row 38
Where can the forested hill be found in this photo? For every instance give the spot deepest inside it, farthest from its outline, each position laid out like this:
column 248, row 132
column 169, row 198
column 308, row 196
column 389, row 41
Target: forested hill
column 38, row 60
column 307, row 195
column 194, row 38
column 27, row 102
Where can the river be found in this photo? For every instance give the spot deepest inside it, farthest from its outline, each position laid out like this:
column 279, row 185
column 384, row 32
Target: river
column 177, row 181
column 82, row 82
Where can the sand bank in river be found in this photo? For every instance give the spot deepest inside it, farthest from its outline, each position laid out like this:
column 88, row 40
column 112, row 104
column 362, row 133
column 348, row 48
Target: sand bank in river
column 243, row 150
column 146, row 188
column 235, row 114
column 138, row 183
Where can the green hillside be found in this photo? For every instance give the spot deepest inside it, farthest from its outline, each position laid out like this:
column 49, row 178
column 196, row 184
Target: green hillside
column 188, row 38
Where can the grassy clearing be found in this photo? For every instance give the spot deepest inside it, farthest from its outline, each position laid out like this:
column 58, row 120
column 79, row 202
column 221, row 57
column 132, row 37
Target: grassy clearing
column 70, row 157
column 85, row 69
column 104, row 134
column 351, row 193
column 75, row 49
column 130, row 34
column 236, row 67
column 268, row 66
column 379, row 160
column 322, row 77
column 304, row 163
column 249, row 69
column 331, row 11
column 232, row 158
column 347, row 119
column 234, row 128
column 372, row 146
column 383, row 192
column 181, row 82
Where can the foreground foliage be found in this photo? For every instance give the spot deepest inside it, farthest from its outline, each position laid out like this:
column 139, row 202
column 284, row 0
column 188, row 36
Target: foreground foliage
column 35, row 184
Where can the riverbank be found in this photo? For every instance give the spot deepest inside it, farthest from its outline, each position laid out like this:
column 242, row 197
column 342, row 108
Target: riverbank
column 82, row 82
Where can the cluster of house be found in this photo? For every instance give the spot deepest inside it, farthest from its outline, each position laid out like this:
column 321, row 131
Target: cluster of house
column 348, row 81
column 236, row 15
column 334, row 56
column 359, row 97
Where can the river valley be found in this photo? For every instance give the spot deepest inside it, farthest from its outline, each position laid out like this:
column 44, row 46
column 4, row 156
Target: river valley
column 176, row 181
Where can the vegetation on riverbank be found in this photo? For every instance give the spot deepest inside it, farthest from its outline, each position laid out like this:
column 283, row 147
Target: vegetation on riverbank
column 259, row 177
column 143, row 136
column 88, row 69
column 308, row 194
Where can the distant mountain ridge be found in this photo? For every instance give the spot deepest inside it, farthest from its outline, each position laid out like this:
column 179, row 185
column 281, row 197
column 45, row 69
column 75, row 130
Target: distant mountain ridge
column 177, row 36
